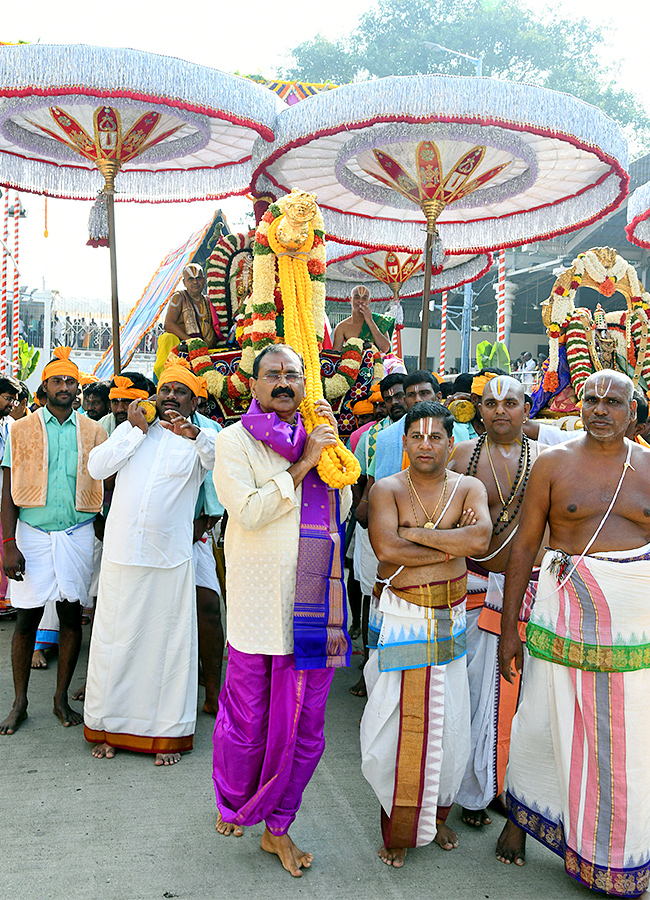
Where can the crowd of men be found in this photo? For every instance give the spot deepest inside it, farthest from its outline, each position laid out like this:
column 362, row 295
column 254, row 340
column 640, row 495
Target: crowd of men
column 496, row 582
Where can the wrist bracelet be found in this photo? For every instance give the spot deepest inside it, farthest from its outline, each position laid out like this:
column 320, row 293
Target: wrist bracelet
column 6, row 540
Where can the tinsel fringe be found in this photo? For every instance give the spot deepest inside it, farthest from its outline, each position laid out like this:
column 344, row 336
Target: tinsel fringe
column 98, row 235
column 638, row 217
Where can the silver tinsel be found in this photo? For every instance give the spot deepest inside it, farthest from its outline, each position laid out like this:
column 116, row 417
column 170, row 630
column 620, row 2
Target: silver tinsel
column 98, row 222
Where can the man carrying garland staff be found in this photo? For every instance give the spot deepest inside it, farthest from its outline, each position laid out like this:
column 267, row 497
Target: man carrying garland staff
column 49, row 503
column 415, row 730
column 580, row 751
column 286, row 605
column 501, row 458
column 141, row 690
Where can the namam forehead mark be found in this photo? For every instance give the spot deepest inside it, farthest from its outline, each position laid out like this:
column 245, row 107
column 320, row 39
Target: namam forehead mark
column 502, row 386
column 602, row 384
column 281, row 360
column 427, row 426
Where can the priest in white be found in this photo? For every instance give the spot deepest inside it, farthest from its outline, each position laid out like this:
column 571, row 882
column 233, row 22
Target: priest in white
column 141, row 693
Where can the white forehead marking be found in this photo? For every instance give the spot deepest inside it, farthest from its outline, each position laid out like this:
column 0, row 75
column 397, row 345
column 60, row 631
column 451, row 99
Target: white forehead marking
column 602, row 386
column 426, row 426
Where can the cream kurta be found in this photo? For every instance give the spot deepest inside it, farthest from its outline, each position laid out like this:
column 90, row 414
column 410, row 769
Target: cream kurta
column 261, row 541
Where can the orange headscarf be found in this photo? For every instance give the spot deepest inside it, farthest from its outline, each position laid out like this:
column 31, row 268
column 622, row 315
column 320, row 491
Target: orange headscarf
column 181, row 371
column 204, row 387
column 362, row 408
column 61, row 365
column 375, row 394
column 86, row 378
column 479, row 382
column 123, row 390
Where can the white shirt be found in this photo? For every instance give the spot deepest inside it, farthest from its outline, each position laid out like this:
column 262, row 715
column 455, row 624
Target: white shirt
column 261, row 541
column 150, row 522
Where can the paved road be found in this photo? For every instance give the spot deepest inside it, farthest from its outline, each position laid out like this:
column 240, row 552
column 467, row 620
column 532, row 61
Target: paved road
column 75, row 827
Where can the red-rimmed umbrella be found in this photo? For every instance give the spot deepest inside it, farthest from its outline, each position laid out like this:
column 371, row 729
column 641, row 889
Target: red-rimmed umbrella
column 489, row 164
column 73, row 117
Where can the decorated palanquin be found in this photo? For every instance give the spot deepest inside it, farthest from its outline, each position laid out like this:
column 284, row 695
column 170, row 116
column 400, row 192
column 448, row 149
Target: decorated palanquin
column 582, row 342
column 243, row 286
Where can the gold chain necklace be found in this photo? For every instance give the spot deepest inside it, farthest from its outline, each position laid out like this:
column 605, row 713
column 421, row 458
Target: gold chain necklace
column 412, row 492
column 506, row 503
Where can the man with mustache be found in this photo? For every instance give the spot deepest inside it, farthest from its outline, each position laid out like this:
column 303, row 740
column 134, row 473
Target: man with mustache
column 141, row 691
column 49, row 502
column 286, row 605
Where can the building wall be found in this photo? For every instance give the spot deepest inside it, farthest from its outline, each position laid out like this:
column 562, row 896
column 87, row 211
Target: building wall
column 535, row 343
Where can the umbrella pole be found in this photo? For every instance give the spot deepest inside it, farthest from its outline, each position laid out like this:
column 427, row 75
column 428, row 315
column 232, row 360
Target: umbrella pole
column 115, row 306
column 426, row 295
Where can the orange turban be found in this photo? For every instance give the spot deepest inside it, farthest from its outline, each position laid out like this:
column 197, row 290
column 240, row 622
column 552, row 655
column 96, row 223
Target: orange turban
column 375, row 394
column 61, row 365
column 123, row 390
column 479, row 382
column 181, row 371
column 362, row 408
column 86, row 378
column 204, row 387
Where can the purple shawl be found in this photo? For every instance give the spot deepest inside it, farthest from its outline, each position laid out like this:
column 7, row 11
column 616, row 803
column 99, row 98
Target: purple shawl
column 320, row 637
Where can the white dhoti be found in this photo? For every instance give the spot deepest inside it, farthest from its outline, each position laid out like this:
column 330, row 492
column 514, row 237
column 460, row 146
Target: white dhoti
column 579, row 773
column 205, row 566
column 142, row 685
column 365, row 561
column 58, row 565
column 493, row 699
column 97, row 565
column 415, row 730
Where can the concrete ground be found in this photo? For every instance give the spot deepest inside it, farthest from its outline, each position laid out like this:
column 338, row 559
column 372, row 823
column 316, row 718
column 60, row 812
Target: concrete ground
column 122, row 829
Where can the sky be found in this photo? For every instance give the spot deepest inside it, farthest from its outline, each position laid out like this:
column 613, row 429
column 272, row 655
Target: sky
column 213, row 35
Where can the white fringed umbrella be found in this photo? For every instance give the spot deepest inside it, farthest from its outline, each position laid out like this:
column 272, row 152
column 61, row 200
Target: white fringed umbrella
column 490, row 164
column 638, row 217
column 73, row 117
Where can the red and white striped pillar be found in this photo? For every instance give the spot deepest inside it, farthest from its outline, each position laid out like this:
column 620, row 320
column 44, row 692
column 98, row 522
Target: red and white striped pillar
column 443, row 332
column 3, row 296
column 501, row 297
column 15, row 304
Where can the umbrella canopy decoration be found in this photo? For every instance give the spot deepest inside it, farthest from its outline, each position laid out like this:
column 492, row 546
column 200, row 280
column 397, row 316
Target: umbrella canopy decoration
column 489, row 164
column 638, row 217
column 399, row 271
column 72, row 117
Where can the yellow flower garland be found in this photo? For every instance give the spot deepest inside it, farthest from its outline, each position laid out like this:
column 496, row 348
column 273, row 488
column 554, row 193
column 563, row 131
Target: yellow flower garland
column 337, row 467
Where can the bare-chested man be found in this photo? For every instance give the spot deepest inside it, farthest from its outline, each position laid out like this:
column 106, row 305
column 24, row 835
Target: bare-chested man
column 501, row 458
column 579, row 770
column 415, row 731
column 188, row 311
column 361, row 324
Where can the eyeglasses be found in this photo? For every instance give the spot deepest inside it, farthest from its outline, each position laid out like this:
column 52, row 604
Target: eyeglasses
column 289, row 377
column 9, row 400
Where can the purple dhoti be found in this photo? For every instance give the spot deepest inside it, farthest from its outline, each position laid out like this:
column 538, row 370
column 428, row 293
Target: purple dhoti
column 268, row 738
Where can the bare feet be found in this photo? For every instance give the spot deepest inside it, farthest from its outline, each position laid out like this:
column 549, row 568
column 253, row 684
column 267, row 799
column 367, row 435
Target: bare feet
column 14, row 720
column 359, row 689
column 210, row 708
column 101, row 751
column 227, row 828
column 167, row 759
column 66, row 713
column 393, row 857
column 445, row 837
column 38, row 660
column 476, row 817
column 80, row 694
column 511, row 846
column 290, row 856
column 355, row 631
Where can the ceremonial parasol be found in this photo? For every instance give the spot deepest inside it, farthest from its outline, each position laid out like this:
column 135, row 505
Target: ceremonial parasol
column 394, row 269
column 638, row 217
column 491, row 164
column 73, row 117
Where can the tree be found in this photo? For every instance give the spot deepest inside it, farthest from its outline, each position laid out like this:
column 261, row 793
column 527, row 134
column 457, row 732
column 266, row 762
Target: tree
column 515, row 44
